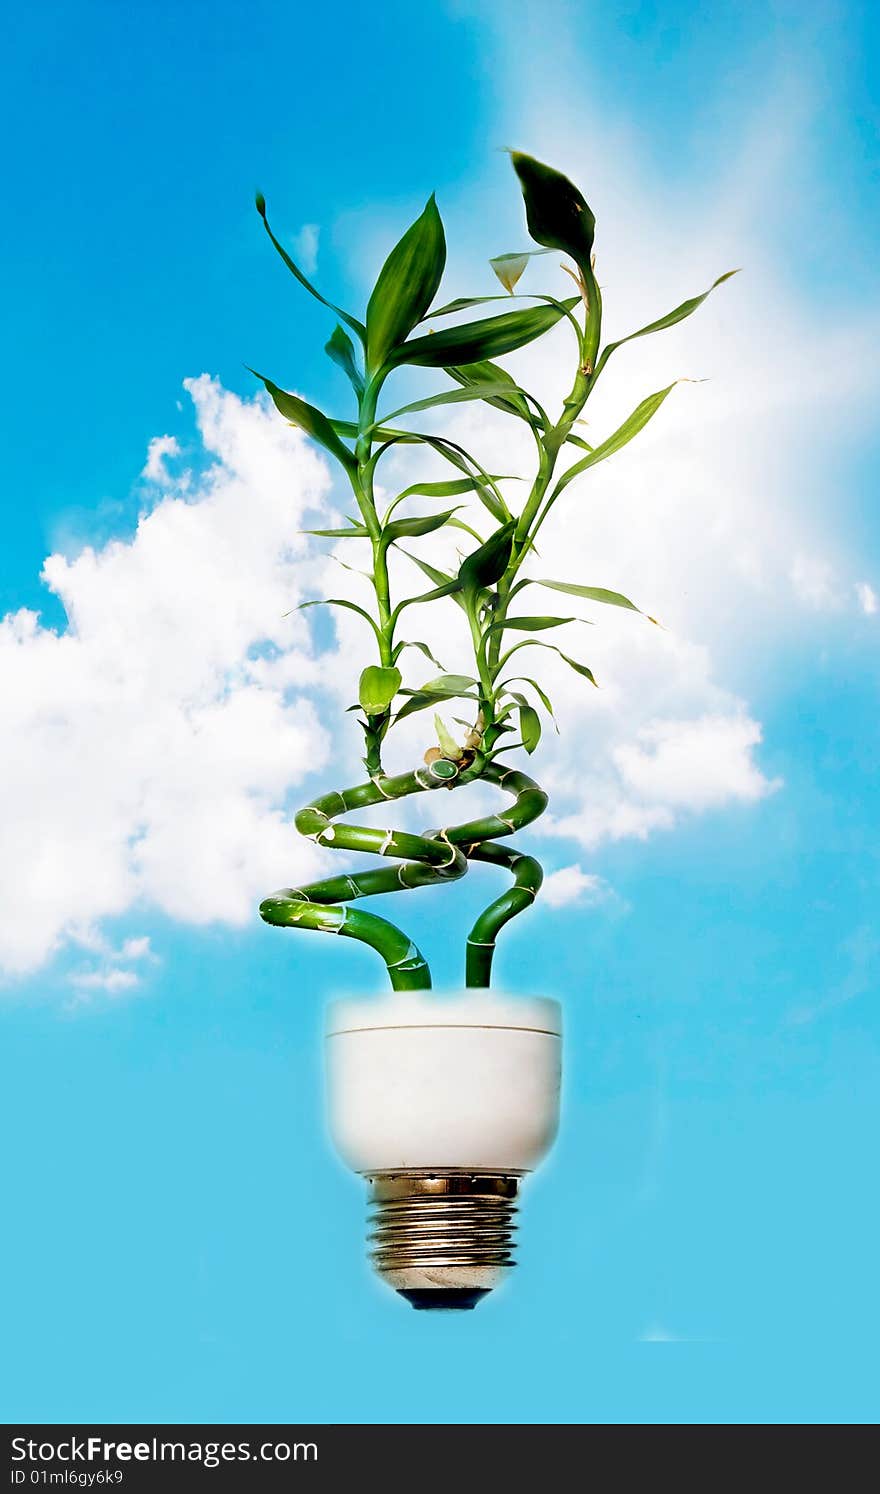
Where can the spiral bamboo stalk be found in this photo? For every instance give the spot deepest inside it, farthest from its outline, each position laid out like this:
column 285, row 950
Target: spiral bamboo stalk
column 428, row 859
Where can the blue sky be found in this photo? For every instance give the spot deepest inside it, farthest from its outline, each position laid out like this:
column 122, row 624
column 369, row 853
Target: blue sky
column 181, row 1245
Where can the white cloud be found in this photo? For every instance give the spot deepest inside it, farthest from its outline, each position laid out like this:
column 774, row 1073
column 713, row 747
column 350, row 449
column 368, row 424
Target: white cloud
column 159, row 449
column 148, row 748
column 570, row 884
column 135, row 949
column 111, row 981
column 867, row 598
column 110, row 974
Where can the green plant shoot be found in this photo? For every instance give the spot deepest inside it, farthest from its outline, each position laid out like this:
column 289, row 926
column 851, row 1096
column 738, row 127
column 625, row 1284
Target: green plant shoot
column 489, row 581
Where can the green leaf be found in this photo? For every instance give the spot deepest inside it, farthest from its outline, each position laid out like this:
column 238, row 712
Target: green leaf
column 670, row 320
column 468, row 529
column 445, row 586
column 509, row 267
column 482, row 482
column 411, row 528
column 594, row 594
column 419, row 700
column 377, row 689
column 463, row 303
column 415, row 643
column 450, row 489
column 539, row 643
column 310, row 420
column 449, row 590
column 526, row 679
column 448, row 397
column 356, row 532
column 341, row 602
column 448, row 745
column 406, row 286
column 531, row 624
column 449, row 450
column 294, row 269
column 350, row 430
column 487, row 564
column 512, row 400
column 489, row 338
column 577, row 667
column 530, row 727
column 556, row 212
column 440, row 578
column 622, row 436
column 341, row 349
column 450, row 684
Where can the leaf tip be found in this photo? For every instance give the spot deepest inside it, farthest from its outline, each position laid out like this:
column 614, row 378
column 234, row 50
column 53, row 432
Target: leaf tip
column 260, row 203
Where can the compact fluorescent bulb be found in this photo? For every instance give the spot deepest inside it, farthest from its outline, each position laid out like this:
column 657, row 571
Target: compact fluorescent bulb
column 443, row 1103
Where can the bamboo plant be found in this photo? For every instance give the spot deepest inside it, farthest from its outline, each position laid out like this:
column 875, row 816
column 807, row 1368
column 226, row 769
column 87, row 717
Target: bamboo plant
column 399, row 331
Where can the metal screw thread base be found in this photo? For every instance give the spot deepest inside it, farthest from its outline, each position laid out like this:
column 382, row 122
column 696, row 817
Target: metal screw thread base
column 442, row 1239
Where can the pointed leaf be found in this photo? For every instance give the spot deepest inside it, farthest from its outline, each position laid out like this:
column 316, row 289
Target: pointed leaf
column 595, row 594
column 308, row 419
column 468, row 529
column 530, row 727
column 509, row 267
column 462, row 303
column 449, row 450
column 526, row 679
column 487, row 564
column 622, row 436
column 577, row 667
column 489, row 338
column 440, row 578
column 444, row 585
column 451, row 684
column 448, row 397
column 341, row 602
column 341, row 349
column 358, row 532
column 449, row 590
column 294, row 269
column 448, row 745
column 377, row 689
column 531, row 624
column 419, row 700
column 670, row 320
column 406, row 286
column 556, row 212
column 539, row 643
column 416, row 643
column 450, row 489
column 411, row 528
column 511, row 399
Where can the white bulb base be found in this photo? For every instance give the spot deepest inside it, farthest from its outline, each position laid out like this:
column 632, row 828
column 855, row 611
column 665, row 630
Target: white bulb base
column 443, row 1103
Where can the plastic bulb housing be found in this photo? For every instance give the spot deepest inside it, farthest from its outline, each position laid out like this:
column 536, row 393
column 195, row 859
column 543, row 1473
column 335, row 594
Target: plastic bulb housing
column 443, row 1103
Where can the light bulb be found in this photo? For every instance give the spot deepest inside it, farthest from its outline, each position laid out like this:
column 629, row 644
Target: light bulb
column 443, row 1104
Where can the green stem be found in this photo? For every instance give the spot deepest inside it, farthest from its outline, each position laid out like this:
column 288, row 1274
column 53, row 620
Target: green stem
column 428, row 859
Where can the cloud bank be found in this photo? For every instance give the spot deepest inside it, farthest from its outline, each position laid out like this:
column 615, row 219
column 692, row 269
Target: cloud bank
column 149, row 747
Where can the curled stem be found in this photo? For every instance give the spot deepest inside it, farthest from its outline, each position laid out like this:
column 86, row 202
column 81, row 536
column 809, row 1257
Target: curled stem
column 440, row 856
